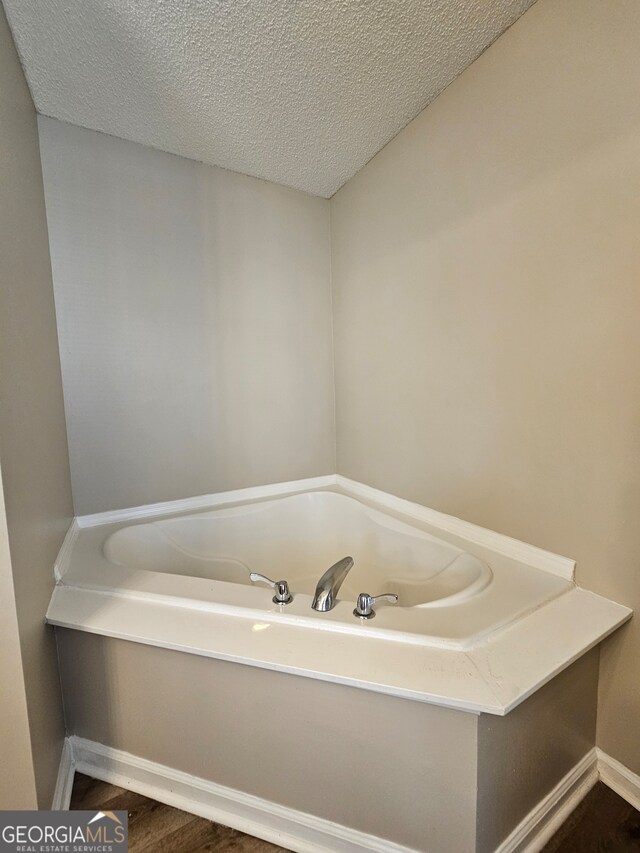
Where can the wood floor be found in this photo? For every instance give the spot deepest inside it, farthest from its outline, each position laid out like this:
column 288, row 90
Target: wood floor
column 156, row 828
column 602, row 823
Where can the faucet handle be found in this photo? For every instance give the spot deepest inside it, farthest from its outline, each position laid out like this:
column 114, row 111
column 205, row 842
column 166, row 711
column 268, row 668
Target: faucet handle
column 281, row 588
column 364, row 604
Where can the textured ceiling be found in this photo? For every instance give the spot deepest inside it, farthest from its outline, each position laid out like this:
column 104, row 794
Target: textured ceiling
column 301, row 92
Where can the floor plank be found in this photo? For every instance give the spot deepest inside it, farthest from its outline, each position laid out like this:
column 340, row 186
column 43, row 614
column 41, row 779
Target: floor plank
column 157, row 828
column 602, row 823
column 92, row 793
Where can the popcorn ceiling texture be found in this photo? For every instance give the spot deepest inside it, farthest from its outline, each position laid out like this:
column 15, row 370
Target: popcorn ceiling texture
column 300, row 92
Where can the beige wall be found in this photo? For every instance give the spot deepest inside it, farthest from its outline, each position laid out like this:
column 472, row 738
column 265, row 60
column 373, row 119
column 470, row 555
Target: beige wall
column 521, row 757
column 486, row 302
column 33, row 443
column 17, row 780
column 194, row 316
column 400, row 770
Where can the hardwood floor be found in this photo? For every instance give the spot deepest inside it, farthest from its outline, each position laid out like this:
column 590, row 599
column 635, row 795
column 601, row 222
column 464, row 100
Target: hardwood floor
column 602, row 823
column 156, row 828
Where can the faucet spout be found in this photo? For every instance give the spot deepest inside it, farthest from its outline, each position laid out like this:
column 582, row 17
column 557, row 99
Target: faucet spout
column 329, row 584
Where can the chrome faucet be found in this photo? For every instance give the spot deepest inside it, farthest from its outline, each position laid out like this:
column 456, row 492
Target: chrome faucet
column 364, row 604
column 281, row 588
column 329, row 584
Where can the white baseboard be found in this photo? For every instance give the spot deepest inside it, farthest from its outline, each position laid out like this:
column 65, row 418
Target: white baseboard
column 64, row 782
column 619, row 778
column 547, row 816
column 270, row 821
column 306, row 833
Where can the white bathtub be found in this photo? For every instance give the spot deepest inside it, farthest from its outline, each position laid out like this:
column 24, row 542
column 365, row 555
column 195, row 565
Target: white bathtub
column 297, row 538
column 176, row 578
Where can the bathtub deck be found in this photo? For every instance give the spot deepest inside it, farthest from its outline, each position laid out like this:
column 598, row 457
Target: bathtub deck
column 493, row 677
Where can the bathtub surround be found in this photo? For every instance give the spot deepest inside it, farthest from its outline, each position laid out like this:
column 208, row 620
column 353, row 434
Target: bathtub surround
column 460, row 638
column 419, row 776
column 523, row 756
column 35, row 505
column 417, row 758
column 194, row 314
column 486, row 302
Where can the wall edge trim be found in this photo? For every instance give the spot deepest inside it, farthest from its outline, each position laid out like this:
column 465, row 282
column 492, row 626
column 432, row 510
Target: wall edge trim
column 547, row 561
column 64, row 554
column 64, row 781
column 545, row 818
column 619, row 778
column 204, row 502
column 261, row 818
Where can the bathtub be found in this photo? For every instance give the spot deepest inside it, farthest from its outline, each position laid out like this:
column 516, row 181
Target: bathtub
column 472, row 604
